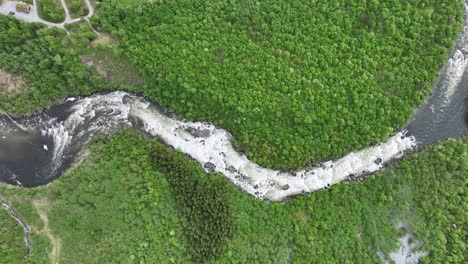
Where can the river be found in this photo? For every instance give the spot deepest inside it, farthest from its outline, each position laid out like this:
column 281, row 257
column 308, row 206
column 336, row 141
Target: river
column 38, row 149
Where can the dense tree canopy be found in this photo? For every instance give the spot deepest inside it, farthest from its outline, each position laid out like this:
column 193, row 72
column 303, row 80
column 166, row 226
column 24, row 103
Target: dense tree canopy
column 45, row 62
column 51, row 10
column 77, row 8
column 294, row 81
column 12, row 247
column 115, row 208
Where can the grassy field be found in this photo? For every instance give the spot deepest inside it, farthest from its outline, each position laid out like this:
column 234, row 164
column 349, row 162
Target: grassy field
column 77, row 8
column 51, row 10
column 122, row 205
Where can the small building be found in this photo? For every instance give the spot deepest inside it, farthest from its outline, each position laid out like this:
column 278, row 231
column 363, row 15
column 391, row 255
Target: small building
column 23, row 7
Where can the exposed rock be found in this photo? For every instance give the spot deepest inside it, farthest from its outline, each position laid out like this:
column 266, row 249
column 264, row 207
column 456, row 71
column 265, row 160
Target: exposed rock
column 231, row 169
column 127, row 99
column 285, row 187
column 378, row 161
column 256, row 186
column 203, row 133
column 209, row 166
column 293, row 173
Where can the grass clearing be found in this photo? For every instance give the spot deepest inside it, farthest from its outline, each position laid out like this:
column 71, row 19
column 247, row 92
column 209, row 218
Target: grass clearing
column 10, row 82
column 114, row 66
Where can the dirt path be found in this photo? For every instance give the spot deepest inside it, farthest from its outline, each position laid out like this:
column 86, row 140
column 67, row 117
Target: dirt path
column 42, row 208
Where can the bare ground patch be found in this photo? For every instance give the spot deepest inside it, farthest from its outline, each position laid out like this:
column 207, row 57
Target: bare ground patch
column 10, row 82
column 104, row 39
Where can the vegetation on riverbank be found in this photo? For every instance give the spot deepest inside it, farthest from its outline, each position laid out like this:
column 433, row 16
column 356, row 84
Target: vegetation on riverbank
column 51, row 10
column 311, row 99
column 135, row 200
column 12, row 244
column 284, row 89
column 12, row 247
column 45, row 62
column 294, row 81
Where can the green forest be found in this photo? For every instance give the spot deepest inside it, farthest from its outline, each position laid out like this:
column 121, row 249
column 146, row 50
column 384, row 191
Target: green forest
column 133, row 200
column 51, row 10
column 291, row 94
column 47, row 64
column 77, row 8
column 295, row 81
column 12, row 247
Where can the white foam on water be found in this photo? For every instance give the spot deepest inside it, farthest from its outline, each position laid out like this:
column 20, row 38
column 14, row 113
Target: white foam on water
column 110, row 112
column 217, row 151
column 83, row 123
column 213, row 149
column 457, row 64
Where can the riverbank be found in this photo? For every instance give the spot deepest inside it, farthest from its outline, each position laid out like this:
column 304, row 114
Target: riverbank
column 119, row 188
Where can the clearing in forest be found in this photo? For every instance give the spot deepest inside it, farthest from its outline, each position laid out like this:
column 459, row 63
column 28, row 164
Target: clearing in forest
column 10, row 82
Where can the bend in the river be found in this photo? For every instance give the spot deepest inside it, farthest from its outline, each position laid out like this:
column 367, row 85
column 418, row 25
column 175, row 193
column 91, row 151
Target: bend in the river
column 52, row 139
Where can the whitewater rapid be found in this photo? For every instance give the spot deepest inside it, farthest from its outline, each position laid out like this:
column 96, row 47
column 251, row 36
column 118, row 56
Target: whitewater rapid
column 210, row 146
column 38, row 149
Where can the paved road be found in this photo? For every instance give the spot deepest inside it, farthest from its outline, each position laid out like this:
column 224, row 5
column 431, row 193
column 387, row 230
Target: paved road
column 33, row 16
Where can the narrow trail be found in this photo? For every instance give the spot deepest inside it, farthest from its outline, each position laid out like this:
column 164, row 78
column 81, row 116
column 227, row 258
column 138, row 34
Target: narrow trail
column 21, row 222
column 41, row 207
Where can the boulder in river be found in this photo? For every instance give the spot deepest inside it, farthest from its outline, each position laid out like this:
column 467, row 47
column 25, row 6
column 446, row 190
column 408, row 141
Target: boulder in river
column 231, row 169
column 199, row 133
column 209, row 166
